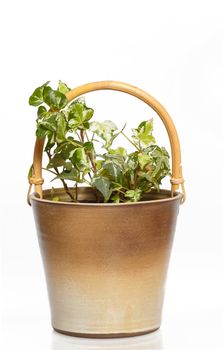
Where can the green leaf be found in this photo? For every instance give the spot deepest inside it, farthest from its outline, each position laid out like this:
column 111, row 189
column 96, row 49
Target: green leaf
column 62, row 87
column 56, row 161
column 143, row 133
column 80, row 160
column 80, row 155
column 86, row 125
column 89, row 146
column 133, row 161
column 66, row 149
column 79, row 114
column 41, row 112
column 99, row 163
column 114, row 169
column 116, row 198
column 144, row 159
column 72, row 175
column 80, row 100
column 104, row 130
column 103, row 185
column 144, row 178
column 36, row 98
column 54, row 99
column 76, row 108
column 133, row 195
column 45, row 125
column 50, row 141
column 61, row 127
column 118, row 151
column 41, row 132
column 68, row 166
column 161, row 165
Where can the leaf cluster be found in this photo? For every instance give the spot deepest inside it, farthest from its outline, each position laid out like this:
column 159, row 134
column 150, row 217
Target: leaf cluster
column 81, row 150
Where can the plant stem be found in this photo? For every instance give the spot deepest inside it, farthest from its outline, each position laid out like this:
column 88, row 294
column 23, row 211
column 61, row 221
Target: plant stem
column 92, row 138
column 92, row 161
column 86, row 136
column 90, row 156
column 82, row 135
column 53, row 172
column 78, row 136
column 76, row 192
column 89, row 153
column 88, row 182
column 74, row 143
column 127, row 138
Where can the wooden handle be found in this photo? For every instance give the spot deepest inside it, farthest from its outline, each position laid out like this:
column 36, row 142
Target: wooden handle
column 176, row 178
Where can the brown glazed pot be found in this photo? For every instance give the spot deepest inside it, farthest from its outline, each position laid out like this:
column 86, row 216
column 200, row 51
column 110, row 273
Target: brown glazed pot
column 106, row 264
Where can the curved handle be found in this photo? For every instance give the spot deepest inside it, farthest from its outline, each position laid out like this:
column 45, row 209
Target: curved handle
column 176, row 178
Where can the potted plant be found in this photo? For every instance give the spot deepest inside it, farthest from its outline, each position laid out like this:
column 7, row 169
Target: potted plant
column 105, row 239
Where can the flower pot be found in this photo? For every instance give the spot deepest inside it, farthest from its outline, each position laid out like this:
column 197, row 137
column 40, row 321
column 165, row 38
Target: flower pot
column 106, row 264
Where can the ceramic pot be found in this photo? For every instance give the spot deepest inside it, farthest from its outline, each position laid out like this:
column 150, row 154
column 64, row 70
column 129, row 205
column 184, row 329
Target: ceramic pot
column 106, row 264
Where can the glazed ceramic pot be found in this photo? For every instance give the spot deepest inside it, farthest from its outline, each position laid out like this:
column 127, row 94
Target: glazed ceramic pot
column 106, row 264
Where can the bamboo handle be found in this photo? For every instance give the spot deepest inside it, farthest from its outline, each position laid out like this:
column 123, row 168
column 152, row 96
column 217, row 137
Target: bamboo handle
column 176, row 178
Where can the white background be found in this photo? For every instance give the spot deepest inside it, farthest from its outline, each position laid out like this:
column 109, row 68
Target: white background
column 172, row 49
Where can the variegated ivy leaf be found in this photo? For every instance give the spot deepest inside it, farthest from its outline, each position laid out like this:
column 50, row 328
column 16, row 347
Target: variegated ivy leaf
column 65, row 149
column 144, row 159
column 102, row 184
column 72, row 175
column 116, row 198
column 68, row 166
column 56, row 161
column 46, row 126
column 114, row 169
column 79, row 114
column 42, row 112
column 55, row 99
column 62, row 87
column 133, row 161
column 80, row 160
column 105, row 130
column 120, row 151
column 61, row 127
column 36, row 98
column 133, row 195
column 143, row 134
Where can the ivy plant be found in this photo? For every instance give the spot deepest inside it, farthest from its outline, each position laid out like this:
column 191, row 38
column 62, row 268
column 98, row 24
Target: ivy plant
column 81, row 150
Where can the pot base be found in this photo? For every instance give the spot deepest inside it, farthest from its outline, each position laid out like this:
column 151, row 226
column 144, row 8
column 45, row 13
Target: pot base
column 105, row 335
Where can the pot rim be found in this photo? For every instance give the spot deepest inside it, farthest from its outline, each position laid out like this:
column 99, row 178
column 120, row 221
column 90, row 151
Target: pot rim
column 176, row 196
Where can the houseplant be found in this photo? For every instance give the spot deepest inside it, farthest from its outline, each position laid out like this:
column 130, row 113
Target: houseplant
column 105, row 247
